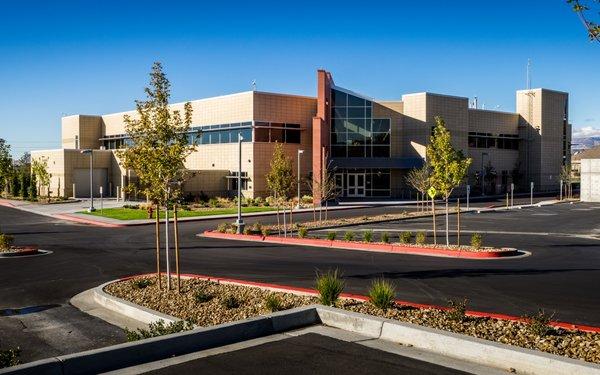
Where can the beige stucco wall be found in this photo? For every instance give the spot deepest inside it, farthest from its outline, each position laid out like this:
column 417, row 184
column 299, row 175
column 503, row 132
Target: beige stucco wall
column 393, row 111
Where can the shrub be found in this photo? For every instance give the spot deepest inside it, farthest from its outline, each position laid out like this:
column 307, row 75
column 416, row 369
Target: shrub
column 9, row 357
column 385, row 237
column 382, row 294
column 269, row 201
column 265, row 231
column 230, row 302
column 420, row 238
column 330, row 286
column 223, row 227
column 539, row 324
column 247, row 230
column 158, row 328
column 201, row 296
column 476, row 240
column 213, row 202
column 307, row 199
column 6, row 241
column 331, row 236
column 302, row 232
column 141, row 283
column 273, row 303
column 248, row 202
column 349, row 236
column 457, row 310
column 259, row 201
column 405, row 237
column 256, row 227
column 368, row 236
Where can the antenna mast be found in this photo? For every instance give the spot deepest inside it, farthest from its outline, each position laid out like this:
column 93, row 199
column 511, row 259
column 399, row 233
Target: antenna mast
column 528, row 74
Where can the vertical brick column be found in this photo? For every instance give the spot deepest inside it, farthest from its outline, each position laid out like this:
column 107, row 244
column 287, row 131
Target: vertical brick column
column 321, row 129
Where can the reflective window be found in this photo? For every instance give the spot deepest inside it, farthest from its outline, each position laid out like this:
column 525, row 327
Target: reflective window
column 352, row 124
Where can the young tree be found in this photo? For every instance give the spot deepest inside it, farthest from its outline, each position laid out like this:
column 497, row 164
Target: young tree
column 418, row 178
column 6, row 169
column 159, row 147
column 39, row 169
column 566, row 176
column 583, row 9
column 448, row 165
column 280, row 179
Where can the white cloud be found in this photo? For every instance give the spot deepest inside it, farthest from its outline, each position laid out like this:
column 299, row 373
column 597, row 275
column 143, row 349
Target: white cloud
column 586, row 131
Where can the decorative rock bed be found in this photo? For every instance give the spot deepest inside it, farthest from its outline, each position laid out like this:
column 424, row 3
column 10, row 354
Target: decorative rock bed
column 19, row 251
column 212, row 308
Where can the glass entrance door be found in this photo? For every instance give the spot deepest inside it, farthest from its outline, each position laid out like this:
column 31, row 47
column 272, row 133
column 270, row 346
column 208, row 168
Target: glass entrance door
column 356, row 184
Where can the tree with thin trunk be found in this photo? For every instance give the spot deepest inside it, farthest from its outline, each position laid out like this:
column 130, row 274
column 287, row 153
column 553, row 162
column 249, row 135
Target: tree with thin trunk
column 280, row 180
column 418, row 178
column 566, row 176
column 448, row 166
column 6, row 165
column 159, row 146
column 329, row 189
column 39, row 168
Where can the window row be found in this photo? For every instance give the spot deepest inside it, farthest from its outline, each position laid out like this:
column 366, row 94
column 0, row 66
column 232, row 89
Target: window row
column 212, row 137
column 116, row 143
column 356, row 139
column 277, row 132
column 505, row 143
column 342, row 99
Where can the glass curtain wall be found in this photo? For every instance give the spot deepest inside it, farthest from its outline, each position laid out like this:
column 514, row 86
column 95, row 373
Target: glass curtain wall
column 354, row 132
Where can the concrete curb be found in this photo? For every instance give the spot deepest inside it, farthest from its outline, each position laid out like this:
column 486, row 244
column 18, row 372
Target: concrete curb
column 462, row 347
column 363, row 246
column 129, row 309
column 116, row 223
column 134, row 353
column 454, row 345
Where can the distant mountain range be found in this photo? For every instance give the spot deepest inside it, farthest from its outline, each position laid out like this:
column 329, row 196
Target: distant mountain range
column 584, row 143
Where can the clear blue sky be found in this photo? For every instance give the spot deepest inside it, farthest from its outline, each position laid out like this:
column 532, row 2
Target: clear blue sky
column 92, row 57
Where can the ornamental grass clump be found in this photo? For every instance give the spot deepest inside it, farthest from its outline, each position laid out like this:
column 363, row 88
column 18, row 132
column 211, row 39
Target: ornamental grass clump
column 476, row 241
column 201, row 296
column 331, row 236
column 141, row 283
column 368, row 236
column 420, row 238
column 158, row 328
column 273, row 303
column 9, row 357
column 230, row 302
column 6, row 242
column 405, row 237
column 330, row 286
column 457, row 310
column 382, row 294
column 385, row 237
column 302, row 232
column 349, row 236
column 539, row 324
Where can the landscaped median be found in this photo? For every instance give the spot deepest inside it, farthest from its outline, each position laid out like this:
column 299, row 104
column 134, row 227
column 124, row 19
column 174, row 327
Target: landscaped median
column 397, row 248
column 207, row 301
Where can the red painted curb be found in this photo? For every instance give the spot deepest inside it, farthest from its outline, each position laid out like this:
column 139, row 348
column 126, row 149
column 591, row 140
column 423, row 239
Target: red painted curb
column 87, row 221
column 362, row 246
column 6, row 203
column 358, row 297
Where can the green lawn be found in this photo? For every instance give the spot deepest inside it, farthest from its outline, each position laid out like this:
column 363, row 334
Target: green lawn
column 134, row 214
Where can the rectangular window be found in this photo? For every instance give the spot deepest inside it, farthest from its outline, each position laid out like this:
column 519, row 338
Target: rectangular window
column 356, row 112
column 356, row 151
column 339, row 112
column 261, row 134
column 338, row 151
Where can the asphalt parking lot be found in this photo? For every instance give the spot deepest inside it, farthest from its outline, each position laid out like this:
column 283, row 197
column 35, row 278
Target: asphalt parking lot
column 560, row 276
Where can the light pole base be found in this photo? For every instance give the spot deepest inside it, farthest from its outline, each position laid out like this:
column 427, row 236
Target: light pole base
column 91, row 209
column 240, row 226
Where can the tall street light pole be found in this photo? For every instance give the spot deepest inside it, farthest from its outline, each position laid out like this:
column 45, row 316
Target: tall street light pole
column 300, row 152
column 240, row 222
column 91, row 152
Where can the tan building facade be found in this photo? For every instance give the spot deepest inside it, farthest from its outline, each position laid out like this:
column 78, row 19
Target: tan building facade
column 370, row 144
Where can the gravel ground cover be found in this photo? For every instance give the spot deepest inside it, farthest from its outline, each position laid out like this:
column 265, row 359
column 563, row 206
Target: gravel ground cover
column 207, row 303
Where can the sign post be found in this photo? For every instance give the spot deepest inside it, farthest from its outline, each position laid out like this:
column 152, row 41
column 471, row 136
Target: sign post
column 468, row 195
column 531, row 193
column 512, row 195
